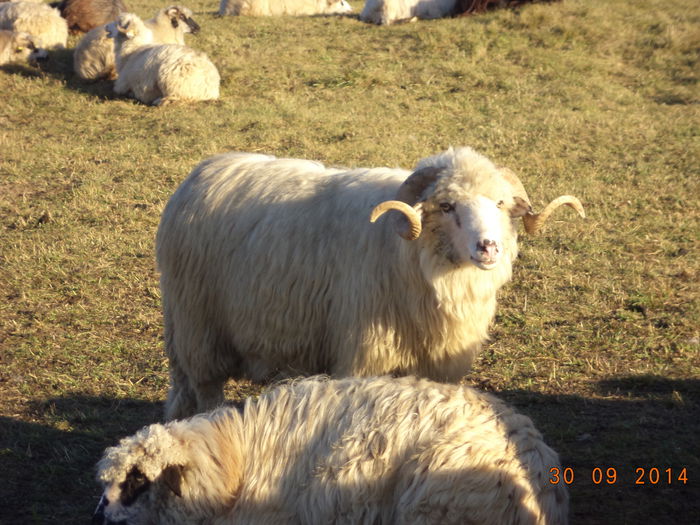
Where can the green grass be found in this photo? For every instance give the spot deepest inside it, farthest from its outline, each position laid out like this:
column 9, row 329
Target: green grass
column 598, row 336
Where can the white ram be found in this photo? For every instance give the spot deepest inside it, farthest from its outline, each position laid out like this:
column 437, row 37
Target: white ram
column 270, row 266
column 353, row 451
column 42, row 22
column 159, row 73
column 19, row 48
column 283, row 7
column 93, row 57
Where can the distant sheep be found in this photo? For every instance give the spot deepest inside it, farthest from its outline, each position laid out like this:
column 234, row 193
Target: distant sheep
column 390, row 11
column 284, row 7
column 355, row 451
column 473, row 7
column 270, row 267
column 84, row 15
column 44, row 23
column 19, row 48
column 93, row 57
column 159, row 74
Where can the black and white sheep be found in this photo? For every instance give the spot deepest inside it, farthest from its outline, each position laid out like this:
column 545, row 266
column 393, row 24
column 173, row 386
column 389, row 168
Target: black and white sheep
column 159, row 73
column 355, row 451
column 270, row 266
column 44, row 23
column 19, row 48
column 283, row 7
column 93, row 57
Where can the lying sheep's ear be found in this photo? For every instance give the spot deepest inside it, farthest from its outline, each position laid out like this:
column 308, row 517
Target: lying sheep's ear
column 172, row 477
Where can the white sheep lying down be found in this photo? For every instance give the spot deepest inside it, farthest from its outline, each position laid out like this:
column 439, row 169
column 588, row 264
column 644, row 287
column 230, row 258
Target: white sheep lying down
column 390, row 11
column 159, row 73
column 283, row 7
column 93, row 57
column 270, row 266
column 44, row 23
column 19, row 48
column 355, row 451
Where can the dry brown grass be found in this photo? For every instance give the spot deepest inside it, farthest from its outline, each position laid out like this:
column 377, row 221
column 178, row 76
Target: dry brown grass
column 598, row 336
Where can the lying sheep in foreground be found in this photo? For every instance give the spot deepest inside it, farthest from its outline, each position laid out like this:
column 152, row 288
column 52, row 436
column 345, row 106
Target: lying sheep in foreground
column 19, row 48
column 93, row 57
column 283, row 7
column 360, row 451
column 84, row 15
column 162, row 73
column 270, row 266
column 42, row 22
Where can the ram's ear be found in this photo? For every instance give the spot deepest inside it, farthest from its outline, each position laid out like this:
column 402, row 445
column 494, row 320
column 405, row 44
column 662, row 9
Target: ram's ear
column 520, row 207
column 172, row 477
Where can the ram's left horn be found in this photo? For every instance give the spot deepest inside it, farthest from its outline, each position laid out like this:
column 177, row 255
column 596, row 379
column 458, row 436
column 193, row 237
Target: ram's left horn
column 534, row 221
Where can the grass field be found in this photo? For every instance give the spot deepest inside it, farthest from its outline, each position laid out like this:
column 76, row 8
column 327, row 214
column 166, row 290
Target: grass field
column 597, row 338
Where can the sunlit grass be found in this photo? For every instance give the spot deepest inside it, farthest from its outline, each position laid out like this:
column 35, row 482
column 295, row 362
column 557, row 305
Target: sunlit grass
column 598, row 336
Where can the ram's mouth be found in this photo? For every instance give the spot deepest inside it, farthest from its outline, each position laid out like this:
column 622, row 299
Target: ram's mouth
column 485, row 264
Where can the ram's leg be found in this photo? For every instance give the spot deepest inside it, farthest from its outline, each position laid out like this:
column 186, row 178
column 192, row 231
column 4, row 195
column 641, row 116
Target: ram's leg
column 182, row 400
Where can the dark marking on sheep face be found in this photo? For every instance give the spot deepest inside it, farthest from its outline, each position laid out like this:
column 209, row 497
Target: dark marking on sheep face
column 194, row 26
column 133, row 486
column 174, row 22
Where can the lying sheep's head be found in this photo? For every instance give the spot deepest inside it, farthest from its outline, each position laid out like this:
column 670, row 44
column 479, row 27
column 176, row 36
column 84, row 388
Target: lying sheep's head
column 167, row 474
column 181, row 16
column 337, row 7
column 22, row 49
column 141, row 479
column 130, row 27
column 468, row 206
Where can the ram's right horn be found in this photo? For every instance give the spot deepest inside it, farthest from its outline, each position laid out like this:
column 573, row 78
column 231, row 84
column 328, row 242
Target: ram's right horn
column 413, row 217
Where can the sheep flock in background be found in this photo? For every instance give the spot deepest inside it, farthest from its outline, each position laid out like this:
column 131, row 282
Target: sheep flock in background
column 94, row 59
column 44, row 23
column 159, row 73
column 284, row 7
column 355, row 451
column 84, row 15
column 270, row 267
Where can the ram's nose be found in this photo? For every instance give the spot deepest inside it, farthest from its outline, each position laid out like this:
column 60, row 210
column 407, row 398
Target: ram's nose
column 488, row 249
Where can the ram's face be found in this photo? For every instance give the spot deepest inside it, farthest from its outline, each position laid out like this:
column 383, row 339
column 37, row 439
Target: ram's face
column 474, row 230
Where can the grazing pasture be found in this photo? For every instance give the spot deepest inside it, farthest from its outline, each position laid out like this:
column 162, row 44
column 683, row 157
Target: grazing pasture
column 597, row 338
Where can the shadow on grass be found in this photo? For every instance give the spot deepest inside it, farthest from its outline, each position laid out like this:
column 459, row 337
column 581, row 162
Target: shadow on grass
column 639, row 422
column 632, row 426
column 59, row 65
column 48, row 468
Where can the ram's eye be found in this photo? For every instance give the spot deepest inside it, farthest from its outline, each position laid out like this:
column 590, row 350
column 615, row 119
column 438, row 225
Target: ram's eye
column 500, row 204
column 19, row 49
column 446, row 207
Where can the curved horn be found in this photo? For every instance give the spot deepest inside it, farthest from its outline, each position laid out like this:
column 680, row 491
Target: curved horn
column 413, row 187
column 413, row 217
column 534, row 221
